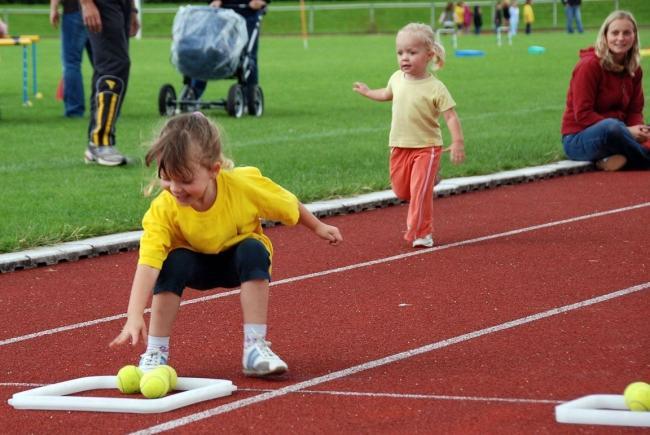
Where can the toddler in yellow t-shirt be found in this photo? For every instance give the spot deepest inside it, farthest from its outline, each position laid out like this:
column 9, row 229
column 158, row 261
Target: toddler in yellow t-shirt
column 419, row 99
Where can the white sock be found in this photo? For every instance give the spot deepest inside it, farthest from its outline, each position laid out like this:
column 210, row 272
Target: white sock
column 252, row 332
column 158, row 343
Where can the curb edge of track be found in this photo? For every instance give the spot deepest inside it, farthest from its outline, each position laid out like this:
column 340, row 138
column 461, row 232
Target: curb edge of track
column 122, row 242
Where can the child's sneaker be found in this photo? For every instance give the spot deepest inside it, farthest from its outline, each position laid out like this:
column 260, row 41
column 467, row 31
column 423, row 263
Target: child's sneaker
column 259, row 360
column 104, row 155
column 151, row 360
column 426, row 241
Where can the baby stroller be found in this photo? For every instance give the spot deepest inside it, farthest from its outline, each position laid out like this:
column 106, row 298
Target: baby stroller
column 212, row 43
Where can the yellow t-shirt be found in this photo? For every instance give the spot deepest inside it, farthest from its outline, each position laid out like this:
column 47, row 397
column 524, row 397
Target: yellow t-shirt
column 417, row 105
column 244, row 197
column 459, row 15
column 529, row 15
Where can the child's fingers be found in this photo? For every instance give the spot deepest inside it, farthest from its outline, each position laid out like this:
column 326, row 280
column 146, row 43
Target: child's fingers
column 335, row 236
column 120, row 339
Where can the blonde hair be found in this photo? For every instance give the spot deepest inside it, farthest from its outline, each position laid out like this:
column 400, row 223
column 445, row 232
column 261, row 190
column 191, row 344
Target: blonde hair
column 632, row 59
column 424, row 33
column 186, row 139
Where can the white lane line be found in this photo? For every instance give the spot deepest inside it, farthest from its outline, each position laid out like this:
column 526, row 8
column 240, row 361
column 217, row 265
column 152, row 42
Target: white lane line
column 232, row 406
column 414, row 396
column 20, row 384
column 338, row 270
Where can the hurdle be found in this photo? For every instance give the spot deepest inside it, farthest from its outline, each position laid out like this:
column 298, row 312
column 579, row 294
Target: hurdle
column 26, row 41
column 507, row 31
column 448, row 31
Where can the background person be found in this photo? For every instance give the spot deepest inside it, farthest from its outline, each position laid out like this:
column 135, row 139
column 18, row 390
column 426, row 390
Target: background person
column 204, row 231
column 572, row 12
column 514, row 17
column 109, row 23
column 446, row 19
column 603, row 119
column 419, row 99
column 459, row 15
column 74, row 39
column 478, row 20
column 529, row 16
column 4, row 30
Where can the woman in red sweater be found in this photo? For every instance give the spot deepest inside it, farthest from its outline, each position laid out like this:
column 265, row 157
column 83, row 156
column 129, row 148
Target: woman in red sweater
column 603, row 119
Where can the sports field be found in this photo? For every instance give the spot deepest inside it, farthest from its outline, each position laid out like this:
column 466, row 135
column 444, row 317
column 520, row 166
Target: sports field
column 317, row 137
column 524, row 303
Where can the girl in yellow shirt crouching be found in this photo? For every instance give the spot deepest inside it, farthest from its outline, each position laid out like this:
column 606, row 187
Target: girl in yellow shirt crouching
column 204, row 231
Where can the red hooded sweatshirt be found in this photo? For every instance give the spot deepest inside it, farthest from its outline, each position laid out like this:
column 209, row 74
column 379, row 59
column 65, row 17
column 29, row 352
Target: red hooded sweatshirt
column 596, row 94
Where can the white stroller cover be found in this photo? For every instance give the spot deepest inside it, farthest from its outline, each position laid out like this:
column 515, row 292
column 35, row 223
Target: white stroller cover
column 208, row 42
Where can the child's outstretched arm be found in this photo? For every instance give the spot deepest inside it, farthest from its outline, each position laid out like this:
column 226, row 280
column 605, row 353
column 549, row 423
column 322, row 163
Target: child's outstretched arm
column 324, row 231
column 383, row 94
column 135, row 327
column 457, row 147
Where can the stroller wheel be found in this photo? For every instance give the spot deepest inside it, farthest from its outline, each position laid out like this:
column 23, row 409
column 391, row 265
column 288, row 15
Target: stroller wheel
column 255, row 101
column 235, row 103
column 167, row 100
column 188, row 100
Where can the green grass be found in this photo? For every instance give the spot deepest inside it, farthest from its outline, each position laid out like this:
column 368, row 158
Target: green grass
column 278, row 22
column 317, row 137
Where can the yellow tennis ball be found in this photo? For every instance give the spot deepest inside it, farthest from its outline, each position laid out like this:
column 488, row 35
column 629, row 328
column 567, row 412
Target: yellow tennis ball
column 128, row 379
column 173, row 377
column 637, row 396
column 154, row 384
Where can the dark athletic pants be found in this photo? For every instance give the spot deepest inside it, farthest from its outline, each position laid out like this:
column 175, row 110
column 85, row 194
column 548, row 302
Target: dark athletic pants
column 111, row 63
column 249, row 260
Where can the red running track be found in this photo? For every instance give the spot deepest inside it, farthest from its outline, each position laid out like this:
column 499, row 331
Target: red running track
column 513, row 312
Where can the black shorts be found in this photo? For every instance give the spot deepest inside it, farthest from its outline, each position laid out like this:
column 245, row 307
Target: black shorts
column 246, row 261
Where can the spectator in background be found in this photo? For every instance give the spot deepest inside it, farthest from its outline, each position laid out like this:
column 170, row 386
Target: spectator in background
column 505, row 7
column 459, row 16
column 498, row 16
column 529, row 16
column 74, row 39
column 514, row 17
column 446, row 19
column 478, row 20
column 4, row 29
column 467, row 18
column 603, row 119
column 572, row 11
column 109, row 24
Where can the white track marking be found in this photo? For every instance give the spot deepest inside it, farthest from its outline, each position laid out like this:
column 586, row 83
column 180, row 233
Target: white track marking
column 414, row 396
column 338, row 270
column 20, row 384
column 192, row 418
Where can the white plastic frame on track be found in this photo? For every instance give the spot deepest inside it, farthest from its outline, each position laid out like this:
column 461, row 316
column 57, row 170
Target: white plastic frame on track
column 55, row 396
column 603, row 409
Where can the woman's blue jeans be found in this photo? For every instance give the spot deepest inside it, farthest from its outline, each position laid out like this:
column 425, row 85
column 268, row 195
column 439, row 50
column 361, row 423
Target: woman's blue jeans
column 603, row 139
column 74, row 39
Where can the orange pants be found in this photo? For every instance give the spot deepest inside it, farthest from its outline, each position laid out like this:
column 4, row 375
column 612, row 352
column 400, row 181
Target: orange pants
column 412, row 175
